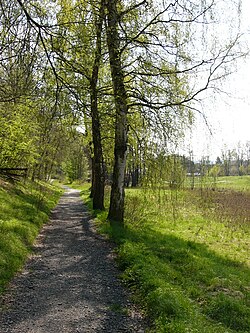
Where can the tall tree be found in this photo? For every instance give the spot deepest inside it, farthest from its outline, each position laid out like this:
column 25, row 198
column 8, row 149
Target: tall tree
column 18, row 123
column 154, row 60
column 98, row 167
column 157, row 67
column 34, row 108
column 116, row 209
column 81, row 56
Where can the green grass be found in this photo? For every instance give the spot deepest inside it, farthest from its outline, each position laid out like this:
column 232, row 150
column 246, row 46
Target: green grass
column 234, row 182
column 24, row 208
column 188, row 265
column 241, row 183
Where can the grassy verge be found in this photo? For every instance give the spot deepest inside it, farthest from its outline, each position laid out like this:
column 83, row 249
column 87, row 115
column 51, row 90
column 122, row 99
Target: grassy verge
column 185, row 255
column 23, row 210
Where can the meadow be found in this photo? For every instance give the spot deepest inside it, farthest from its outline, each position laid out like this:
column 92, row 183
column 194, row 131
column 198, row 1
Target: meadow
column 185, row 254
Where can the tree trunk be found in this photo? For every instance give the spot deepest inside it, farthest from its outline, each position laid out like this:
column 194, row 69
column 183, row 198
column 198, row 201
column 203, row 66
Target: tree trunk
column 116, row 209
column 97, row 167
column 135, row 176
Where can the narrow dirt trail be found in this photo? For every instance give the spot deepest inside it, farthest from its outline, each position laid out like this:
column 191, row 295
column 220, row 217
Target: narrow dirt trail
column 70, row 284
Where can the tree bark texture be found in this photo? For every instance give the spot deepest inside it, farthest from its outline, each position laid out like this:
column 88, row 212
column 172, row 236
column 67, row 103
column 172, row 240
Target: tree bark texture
column 116, row 209
column 97, row 167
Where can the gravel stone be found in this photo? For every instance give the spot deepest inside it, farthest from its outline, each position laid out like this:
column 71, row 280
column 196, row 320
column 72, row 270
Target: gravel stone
column 70, row 284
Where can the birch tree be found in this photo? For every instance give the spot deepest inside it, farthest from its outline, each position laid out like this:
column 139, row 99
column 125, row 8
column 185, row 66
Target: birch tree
column 162, row 59
column 158, row 70
column 116, row 209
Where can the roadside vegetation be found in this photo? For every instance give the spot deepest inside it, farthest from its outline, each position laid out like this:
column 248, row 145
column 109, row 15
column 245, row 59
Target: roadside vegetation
column 24, row 208
column 185, row 255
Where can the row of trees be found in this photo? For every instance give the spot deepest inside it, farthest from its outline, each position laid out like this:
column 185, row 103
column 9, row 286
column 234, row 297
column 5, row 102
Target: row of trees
column 235, row 162
column 231, row 162
column 38, row 128
column 129, row 73
column 174, row 171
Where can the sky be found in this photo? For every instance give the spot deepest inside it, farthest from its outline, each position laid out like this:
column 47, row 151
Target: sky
column 228, row 115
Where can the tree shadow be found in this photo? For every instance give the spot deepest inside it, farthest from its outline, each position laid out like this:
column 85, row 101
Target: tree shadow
column 218, row 286
column 71, row 282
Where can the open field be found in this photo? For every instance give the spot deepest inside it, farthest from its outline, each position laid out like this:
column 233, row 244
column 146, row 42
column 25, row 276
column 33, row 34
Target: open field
column 23, row 210
column 185, row 254
column 241, row 183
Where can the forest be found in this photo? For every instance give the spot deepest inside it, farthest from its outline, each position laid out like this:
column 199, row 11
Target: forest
column 98, row 94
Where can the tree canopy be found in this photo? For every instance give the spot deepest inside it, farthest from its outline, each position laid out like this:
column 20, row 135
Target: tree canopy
column 128, row 73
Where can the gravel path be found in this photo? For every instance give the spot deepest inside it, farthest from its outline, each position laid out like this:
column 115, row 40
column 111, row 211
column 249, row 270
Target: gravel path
column 71, row 283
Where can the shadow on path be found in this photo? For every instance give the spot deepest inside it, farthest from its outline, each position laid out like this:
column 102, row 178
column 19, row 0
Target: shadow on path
column 70, row 284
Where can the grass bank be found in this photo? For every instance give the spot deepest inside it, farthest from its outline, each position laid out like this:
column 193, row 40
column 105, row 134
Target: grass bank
column 185, row 260
column 24, row 208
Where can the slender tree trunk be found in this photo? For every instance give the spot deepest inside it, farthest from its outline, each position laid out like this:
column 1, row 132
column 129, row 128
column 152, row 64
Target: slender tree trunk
column 116, row 209
column 97, row 167
column 92, row 178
